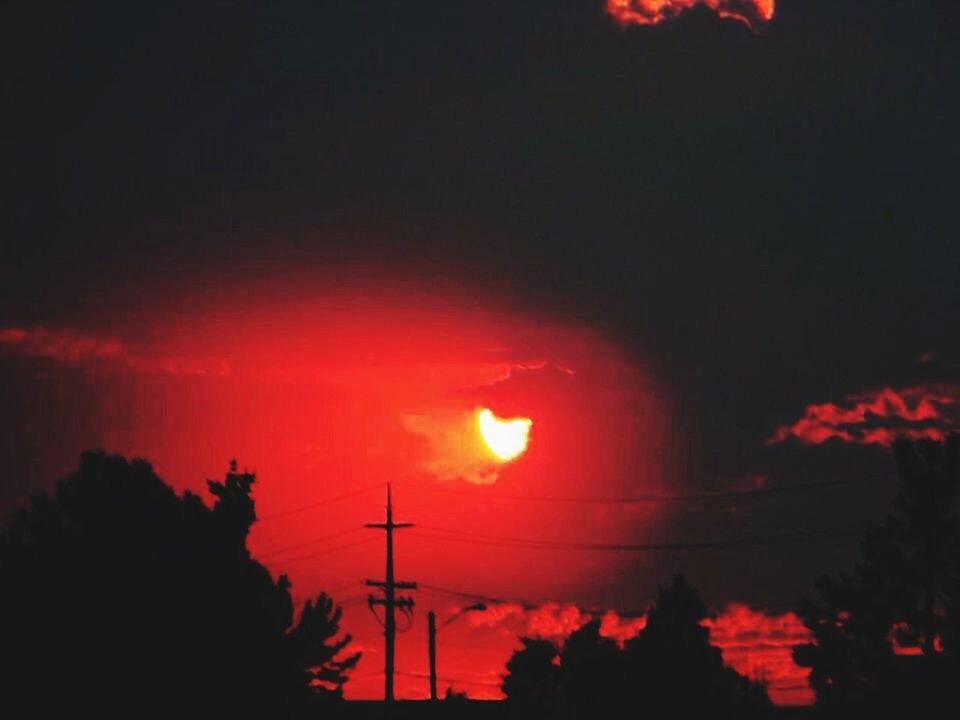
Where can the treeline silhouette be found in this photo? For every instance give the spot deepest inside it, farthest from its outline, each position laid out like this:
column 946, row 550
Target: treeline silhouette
column 886, row 640
column 119, row 598
column 122, row 599
column 669, row 668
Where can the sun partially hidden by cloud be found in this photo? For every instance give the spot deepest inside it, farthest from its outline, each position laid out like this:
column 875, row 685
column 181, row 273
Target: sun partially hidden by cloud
column 328, row 393
column 506, row 438
column 469, row 445
column 651, row 12
column 878, row 417
column 455, row 450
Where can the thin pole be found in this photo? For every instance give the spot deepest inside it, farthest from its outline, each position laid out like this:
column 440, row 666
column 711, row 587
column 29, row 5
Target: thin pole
column 432, row 650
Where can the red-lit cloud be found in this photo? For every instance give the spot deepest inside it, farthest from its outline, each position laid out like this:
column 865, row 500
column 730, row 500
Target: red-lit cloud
column 554, row 621
column 760, row 646
column 62, row 345
column 754, row 643
column 455, row 449
column 903, row 642
column 651, row 12
column 74, row 347
column 878, row 417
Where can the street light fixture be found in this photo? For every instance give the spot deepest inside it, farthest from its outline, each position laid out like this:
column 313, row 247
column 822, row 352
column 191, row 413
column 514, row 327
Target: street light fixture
column 432, row 639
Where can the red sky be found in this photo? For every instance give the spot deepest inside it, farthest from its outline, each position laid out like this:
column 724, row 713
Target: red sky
column 331, row 394
column 717, row 312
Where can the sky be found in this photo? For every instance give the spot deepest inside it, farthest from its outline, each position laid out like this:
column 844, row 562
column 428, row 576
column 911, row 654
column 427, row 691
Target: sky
column 707, row 251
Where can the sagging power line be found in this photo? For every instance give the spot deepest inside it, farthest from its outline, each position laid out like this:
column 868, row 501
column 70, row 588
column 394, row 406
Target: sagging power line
column 318, row 504
column 654, row 498
column 716, row 544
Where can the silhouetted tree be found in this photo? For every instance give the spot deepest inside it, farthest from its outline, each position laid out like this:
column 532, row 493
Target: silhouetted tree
column 669, row 668
column 315, row 648
column 591, row 670
column 456, row 698
column 234, row 510
column 924, row 531
column 904, row 591
column 533, row 675
column 673, row 666
column 121, row 599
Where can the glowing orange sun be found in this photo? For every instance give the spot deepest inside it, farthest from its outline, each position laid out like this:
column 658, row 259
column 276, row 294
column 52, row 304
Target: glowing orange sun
column 506, row 438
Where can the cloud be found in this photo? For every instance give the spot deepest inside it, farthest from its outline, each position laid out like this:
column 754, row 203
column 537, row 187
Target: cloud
column 73, row 347
column 63, row 345
column 554, row 621
column 454, row 448
column 651, row 12
column 760, row 646
column 754, row 643
column 877, row 417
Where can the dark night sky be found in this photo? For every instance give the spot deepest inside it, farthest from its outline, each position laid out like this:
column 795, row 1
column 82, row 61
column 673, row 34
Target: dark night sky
column 754, row 196
column 771, row 216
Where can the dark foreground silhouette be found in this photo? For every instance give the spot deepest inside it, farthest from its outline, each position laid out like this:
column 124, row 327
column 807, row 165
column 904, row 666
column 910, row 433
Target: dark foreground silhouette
column 904, row 597
column 885, row 641
column 121, row 599
column 669, row 668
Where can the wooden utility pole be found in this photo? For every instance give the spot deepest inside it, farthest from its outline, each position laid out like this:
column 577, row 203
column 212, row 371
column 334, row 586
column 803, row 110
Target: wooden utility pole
column 432, row 651
column 390, row 601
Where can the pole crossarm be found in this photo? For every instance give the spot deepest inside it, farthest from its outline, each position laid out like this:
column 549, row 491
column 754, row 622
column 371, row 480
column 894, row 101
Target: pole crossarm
column 397, row 584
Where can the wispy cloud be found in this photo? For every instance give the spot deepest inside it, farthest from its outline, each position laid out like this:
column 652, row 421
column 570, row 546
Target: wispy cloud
column 63, row 345
column 454, row 448
column 74, row 347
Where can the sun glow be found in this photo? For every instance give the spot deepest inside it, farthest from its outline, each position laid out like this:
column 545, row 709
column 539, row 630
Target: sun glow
column 506, row 438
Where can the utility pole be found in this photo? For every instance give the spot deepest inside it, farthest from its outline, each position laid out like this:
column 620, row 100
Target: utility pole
column 432, row 639
column 390, row 601
column 432, row 651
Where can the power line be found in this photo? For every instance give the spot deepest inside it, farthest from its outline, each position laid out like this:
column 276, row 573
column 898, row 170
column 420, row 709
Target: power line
column 318, row 504
column 628, row 500
column 315, row 541
column 474, row 596
column 653, row 498
column 326, row 551
column 773, row 609
column 329, row 593
column 351, row 601
column 342, row 588
column 445, row 642
column 533, row 543
column 527, row 604
column 450, row 680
